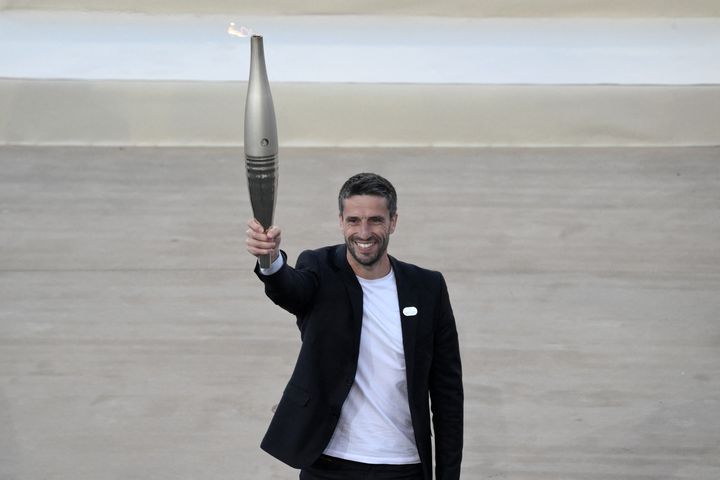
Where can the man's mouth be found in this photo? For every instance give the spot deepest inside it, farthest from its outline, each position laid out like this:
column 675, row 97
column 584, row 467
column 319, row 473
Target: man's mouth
column 364, row 245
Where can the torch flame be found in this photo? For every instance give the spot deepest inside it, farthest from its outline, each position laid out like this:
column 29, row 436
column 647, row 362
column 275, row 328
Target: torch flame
column 242, row 32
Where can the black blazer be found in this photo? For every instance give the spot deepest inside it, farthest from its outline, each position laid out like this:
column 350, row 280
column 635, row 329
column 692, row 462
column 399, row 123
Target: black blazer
column 325, row 296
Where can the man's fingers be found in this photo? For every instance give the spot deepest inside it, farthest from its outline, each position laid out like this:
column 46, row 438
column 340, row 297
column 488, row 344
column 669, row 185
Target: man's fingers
column 273, row 232
column 260, row 248
column 255, row 225
column 251, row 242
column 259, row 242
column 265, row 238
column 254, row 234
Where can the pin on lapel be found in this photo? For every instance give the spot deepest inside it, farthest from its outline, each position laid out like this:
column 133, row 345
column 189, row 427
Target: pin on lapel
column 409, row 311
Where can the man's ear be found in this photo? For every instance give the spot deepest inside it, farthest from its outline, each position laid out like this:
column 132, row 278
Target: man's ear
column 393, row 222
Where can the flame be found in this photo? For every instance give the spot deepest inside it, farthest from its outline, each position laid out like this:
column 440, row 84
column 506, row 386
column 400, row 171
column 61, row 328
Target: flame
column 242, row 32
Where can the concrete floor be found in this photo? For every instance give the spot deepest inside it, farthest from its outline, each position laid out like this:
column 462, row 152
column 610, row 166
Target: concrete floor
column 135, row 343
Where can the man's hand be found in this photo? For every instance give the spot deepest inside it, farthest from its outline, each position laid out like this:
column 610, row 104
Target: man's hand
column 259, row 242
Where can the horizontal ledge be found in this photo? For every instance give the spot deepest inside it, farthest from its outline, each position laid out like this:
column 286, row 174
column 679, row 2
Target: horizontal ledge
column 243, row 83
column 201, row 113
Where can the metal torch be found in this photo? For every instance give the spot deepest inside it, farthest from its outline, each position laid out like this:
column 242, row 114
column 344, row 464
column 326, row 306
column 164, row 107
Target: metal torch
column 261, row 145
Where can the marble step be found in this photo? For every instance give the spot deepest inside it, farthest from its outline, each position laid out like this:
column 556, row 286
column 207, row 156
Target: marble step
column 121, row 78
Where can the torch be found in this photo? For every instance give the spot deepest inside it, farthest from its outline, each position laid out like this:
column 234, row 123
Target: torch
column 261, row 145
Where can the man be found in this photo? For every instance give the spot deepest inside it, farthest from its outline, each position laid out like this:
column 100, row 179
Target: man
column 378, row 337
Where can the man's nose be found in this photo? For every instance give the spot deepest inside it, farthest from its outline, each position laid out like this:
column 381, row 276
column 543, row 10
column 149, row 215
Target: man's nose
column 364, row 228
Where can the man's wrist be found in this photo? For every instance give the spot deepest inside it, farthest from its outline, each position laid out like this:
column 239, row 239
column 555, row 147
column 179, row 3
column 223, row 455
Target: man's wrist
column 274, row 266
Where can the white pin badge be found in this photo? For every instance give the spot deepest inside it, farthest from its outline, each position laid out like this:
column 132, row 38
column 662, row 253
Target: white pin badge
column 409, row 311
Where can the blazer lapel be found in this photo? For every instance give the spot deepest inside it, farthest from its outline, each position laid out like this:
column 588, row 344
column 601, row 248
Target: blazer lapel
column 353, row 289
column 408, row 303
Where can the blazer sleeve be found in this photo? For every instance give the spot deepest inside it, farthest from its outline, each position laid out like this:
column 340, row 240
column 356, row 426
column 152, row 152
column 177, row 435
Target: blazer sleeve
column 292, row 288
column 446, row 392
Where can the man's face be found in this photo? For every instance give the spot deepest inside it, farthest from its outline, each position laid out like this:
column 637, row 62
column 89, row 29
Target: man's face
column 367, row 225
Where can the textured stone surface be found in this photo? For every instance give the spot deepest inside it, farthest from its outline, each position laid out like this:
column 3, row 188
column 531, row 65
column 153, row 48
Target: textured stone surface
column 136, row 343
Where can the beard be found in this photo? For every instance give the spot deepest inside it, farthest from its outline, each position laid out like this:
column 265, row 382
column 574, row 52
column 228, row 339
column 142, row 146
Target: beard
column 381, row 244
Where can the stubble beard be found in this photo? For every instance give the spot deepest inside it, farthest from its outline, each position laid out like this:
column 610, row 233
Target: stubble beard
column 382, row 243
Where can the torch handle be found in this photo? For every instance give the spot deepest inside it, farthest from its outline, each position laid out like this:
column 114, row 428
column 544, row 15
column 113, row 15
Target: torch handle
column 265, row 261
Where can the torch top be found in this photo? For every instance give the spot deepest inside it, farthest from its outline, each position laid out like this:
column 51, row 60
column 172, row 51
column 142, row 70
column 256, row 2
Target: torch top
column 242, row 31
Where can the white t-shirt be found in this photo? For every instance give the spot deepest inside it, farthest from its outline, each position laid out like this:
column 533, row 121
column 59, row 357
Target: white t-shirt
column 375, row 424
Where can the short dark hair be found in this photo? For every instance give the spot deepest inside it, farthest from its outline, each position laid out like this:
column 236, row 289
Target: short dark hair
column 369, row 184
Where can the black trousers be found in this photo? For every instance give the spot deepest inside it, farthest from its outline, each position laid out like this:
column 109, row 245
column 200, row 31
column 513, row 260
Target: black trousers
column 331, row 468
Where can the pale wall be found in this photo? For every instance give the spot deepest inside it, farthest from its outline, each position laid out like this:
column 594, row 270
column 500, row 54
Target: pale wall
column 459, row 8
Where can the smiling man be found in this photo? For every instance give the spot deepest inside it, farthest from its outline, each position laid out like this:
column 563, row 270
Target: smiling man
column 379, row 352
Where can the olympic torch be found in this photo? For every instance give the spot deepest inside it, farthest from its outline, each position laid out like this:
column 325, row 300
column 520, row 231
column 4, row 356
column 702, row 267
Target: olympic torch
column 261, row 144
